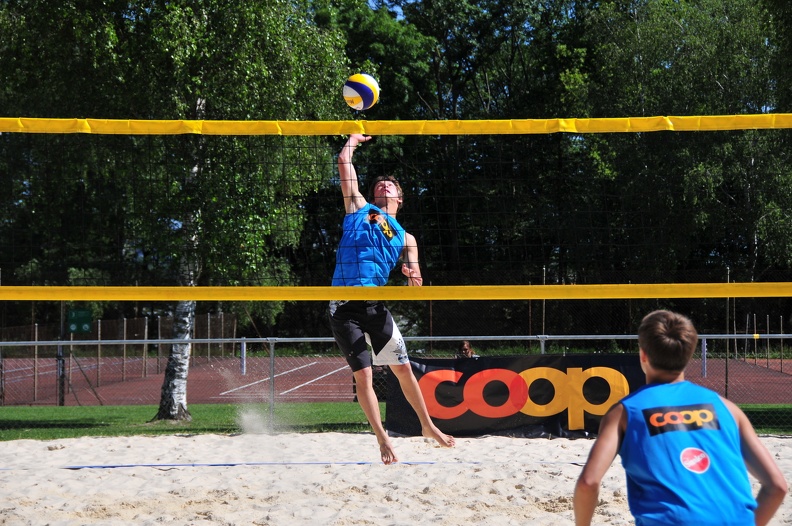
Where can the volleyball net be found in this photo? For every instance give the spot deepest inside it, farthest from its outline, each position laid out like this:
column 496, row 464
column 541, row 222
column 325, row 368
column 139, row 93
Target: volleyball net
column 525, row 227
column 502, row 209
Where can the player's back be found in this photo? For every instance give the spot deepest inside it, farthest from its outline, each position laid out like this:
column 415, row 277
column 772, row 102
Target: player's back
column 681, row 452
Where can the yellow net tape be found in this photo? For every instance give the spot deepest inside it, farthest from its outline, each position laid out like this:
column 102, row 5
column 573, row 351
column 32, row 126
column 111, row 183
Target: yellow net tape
column 495, row 292
column 427, row 127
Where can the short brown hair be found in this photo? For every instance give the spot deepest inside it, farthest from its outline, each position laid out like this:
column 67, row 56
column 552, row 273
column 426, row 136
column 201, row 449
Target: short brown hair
column 668, row 339
column 373, row 184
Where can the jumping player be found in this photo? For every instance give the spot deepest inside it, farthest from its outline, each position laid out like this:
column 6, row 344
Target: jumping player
column 684, row 449
column 372, row 244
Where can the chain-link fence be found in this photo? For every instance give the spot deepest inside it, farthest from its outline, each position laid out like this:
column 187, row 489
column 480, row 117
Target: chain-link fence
column 752, row 370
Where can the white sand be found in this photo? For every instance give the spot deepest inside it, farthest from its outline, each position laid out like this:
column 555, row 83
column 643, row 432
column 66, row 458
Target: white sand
column 288, row 479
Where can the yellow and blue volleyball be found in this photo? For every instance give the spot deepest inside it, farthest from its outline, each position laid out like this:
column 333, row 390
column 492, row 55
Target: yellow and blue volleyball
column 361, row 91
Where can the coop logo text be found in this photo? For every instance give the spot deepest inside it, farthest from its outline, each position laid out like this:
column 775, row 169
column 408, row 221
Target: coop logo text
column 681, row 418
column 567, row 387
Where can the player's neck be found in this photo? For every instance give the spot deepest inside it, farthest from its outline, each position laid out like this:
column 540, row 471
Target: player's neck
column 657, row 376
column 387, row 206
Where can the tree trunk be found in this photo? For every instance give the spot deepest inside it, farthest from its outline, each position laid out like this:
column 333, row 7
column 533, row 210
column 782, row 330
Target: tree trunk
column 173, row 400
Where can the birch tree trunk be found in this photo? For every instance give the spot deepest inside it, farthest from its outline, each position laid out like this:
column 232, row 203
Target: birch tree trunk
column 173, row 398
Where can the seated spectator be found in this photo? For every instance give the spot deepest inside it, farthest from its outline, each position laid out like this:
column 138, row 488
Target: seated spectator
column 466, row 350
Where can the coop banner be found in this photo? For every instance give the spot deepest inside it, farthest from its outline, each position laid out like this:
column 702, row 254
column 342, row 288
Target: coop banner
column 528, row 396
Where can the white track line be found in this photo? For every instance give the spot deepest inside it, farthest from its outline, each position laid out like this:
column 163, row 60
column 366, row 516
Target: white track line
column 267, row 378
column 314, row 380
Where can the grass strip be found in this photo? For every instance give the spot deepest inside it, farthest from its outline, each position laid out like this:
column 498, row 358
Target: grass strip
column 53, row 422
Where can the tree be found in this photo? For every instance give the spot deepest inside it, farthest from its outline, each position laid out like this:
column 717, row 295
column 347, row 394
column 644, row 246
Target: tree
column 188, row 211
column 62, row 219
column 244, row 63
column 686, row 58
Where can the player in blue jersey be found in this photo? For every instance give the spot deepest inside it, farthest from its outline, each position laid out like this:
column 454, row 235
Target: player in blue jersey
column 685, row 450
column 371, row 246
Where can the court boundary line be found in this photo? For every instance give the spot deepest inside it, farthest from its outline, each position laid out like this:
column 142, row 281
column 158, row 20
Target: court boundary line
column 267, row 378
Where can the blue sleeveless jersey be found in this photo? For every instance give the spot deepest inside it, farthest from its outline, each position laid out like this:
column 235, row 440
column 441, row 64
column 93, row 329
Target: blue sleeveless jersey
column 370, row 247
column 681, row 453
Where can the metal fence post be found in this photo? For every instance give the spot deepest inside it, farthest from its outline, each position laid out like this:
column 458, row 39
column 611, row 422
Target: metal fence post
column 159, row 345
column 243, row 357
column 59, row 360
column 145, row 346
column 99, row 353
column 222, row 336
column 124, row 357
column 208, row 337
column 35, row 363
column 272, row 387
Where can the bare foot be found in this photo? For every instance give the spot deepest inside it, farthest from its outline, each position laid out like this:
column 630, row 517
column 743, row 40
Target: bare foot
column 387, row 453
column 441, row 438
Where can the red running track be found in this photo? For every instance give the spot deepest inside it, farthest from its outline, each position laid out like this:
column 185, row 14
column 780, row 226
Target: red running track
column 297, row 379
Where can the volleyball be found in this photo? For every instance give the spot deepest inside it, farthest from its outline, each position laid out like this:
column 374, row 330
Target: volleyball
column 361, row 91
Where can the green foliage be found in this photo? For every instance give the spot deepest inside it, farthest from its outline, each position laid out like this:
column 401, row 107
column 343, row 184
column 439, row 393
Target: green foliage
column 193, row 204
column 560, row 208
column 780, row 12
column 92, row 277
column 715, row 53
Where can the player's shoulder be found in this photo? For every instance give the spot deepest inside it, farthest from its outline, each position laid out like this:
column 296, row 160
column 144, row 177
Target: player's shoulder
column 356, row 205
column 734, row 409
column 615, row 419
column 616, row 412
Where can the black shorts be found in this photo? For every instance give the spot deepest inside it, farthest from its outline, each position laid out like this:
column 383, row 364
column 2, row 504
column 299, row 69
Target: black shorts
column 356, row 325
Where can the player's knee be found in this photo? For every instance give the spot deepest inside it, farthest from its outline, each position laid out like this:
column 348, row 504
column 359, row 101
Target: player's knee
column 363, row 375
column 401, row 370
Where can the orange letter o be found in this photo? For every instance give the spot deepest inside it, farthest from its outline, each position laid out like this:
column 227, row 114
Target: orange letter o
column 428, row 385
column 473, row 393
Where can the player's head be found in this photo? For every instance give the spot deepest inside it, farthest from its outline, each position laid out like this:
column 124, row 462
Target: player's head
column 382, row 186
column 668, row 339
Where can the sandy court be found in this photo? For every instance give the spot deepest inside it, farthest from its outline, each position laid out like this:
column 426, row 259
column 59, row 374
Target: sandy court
column 320, row 478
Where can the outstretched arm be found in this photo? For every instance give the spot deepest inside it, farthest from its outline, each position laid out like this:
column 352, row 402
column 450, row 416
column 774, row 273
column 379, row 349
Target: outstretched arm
column 600, row 458
column 353, row 199
column 761, row 465
column 410, row 267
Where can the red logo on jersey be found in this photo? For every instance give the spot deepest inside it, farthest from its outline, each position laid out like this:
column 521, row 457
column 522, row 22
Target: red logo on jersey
column 695, row 460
